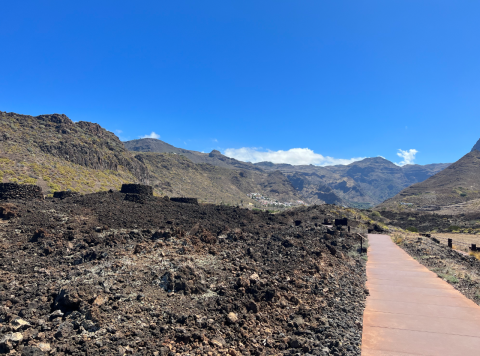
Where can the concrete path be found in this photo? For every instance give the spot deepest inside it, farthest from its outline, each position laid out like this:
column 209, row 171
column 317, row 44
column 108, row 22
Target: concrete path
column 410, row 311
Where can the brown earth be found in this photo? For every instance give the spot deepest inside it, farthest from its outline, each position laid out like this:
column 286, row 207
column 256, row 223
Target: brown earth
column 103, row 274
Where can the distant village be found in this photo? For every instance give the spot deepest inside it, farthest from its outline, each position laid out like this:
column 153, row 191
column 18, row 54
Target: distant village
column 267, row 201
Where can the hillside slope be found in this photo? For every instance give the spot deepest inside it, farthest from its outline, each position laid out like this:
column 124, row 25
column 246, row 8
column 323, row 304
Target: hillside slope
column 58, row 154
column 176, row 175
column 458, row 183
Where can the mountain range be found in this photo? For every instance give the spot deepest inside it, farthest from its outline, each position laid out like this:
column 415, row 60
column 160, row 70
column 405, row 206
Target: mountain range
column 363, row 183
column 59, row 154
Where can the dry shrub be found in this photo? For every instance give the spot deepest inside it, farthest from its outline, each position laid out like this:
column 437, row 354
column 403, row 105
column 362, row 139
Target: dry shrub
column 475, row 254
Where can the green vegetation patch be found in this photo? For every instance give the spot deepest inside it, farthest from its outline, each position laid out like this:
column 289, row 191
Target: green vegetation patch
column 448, row 277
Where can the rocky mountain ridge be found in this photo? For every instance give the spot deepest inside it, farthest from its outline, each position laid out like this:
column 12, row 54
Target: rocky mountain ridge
column 361, row 184
column 176, row 175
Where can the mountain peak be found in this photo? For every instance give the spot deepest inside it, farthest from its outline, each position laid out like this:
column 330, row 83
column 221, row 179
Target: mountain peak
column 215, row 153
column 376, row 161
column 477, row 146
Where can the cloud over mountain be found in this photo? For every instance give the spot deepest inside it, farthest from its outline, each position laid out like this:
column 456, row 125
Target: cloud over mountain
column 294, row 156
column 407, row 155
column 152, row 135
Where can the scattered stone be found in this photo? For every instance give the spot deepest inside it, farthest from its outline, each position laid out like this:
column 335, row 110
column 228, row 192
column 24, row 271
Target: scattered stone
column 232, row 318
column 33, row 351
column 44, row 346
column 20, row 324
column 218, row 341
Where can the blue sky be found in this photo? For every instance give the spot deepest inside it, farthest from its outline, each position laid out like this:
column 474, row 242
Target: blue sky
column 345, row 79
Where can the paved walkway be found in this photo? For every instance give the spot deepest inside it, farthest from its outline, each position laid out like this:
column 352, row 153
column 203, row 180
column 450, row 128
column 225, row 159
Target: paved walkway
column 410, row 311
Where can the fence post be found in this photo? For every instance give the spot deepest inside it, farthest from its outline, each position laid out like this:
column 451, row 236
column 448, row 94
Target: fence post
column 474, row 247
column 450, row 243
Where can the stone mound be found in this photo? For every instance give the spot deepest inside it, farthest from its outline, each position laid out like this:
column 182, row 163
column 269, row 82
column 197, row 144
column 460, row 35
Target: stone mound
column 20, row 191
column 139, row 198
column 65, row 194
column 185, row 200
column 137, row 189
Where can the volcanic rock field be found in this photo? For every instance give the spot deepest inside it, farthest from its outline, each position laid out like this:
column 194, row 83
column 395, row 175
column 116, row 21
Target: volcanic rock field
column 121, row 273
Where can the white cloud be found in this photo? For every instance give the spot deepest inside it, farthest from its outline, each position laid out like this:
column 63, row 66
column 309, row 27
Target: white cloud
column 215, row 140
column 118, row 131
column 407, row 155
column 152, row 135
column 294, row 156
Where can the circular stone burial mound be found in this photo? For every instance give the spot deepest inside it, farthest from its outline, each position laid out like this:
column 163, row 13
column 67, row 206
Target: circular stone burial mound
column 137, row 189
column 185, row 200
column 65, row 194
column 20, row 191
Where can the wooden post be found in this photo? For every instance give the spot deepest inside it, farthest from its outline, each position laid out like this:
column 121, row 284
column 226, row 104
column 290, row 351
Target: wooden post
column 450, row 243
